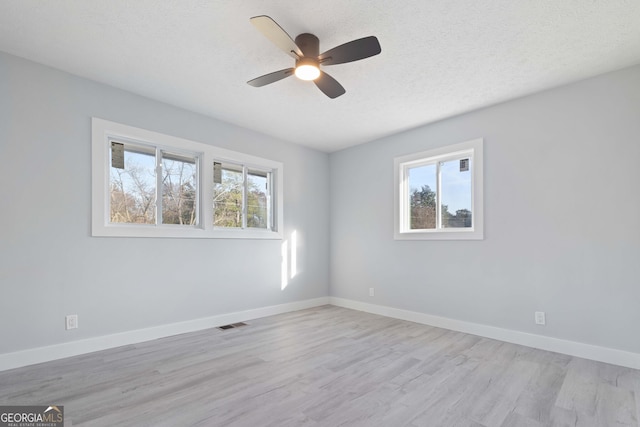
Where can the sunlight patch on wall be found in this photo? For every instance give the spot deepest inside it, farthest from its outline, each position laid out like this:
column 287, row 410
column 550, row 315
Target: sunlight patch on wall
column 294, row 253
column 284, row 269
column 289, row 266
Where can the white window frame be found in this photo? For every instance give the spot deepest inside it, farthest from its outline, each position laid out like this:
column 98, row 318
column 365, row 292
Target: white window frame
column 103, row 132
column 402, row 164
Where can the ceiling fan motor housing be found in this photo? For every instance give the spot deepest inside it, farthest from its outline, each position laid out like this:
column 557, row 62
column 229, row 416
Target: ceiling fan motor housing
column 309, row 45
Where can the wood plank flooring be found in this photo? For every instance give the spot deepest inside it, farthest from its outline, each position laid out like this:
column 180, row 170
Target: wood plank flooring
column 329, row 366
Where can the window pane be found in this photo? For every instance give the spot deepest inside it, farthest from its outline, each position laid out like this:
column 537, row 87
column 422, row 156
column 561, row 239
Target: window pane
column 179, row 192
column 455, row 176
column 227, row 198
column 257, row 200
column 422, row 197
column 133, row 189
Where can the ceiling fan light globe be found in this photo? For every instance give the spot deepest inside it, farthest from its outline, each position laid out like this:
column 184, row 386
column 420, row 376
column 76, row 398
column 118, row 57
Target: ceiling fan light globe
column 307, row 72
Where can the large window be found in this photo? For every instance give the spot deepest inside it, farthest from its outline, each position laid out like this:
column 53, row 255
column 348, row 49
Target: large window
column 148, row 184
column 439, row 193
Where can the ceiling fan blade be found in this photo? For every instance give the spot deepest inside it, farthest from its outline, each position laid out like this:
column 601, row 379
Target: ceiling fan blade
column 277, row 35
column 271, row 77
column 329, row 85
column 352, row 51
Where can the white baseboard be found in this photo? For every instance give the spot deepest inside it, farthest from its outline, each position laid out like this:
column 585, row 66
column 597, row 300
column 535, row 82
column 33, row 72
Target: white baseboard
column 572, row 348
column 75, row 348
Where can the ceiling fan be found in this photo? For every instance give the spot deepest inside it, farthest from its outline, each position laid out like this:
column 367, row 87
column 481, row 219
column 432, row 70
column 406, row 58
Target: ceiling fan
column 305, row 50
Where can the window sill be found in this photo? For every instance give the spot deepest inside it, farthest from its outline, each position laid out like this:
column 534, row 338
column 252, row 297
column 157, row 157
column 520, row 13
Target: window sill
column 447, row 234
column 182, row 232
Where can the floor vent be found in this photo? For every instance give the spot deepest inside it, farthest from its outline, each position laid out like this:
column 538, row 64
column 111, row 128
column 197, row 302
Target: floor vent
column 231, row 326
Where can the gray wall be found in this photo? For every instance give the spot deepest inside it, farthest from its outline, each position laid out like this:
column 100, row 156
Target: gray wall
column 50, row 266
column 562, row 233
column 562, row 218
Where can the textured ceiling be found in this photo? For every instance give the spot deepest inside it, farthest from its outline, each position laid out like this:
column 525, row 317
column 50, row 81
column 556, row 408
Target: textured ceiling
column 439, row 57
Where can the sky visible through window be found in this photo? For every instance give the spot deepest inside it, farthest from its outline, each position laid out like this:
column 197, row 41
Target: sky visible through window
column 140, row 169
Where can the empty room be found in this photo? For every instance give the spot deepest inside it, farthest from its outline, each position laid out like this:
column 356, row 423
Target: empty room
column 279, row 213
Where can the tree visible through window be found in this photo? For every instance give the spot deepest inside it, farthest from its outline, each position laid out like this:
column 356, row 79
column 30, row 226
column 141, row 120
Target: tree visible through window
column 179, row 191
column 257, row 199
column 237, row 200
column 227, row 199
column 133, row 190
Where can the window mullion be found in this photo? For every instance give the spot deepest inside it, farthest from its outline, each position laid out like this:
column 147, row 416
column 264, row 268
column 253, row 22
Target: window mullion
column 199, row 191
column 406, row 198
column 269, row 201
column 244, row 196
column 438, row 197
column 158, row 186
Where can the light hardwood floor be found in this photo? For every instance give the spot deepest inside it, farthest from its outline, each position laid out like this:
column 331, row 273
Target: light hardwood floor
column 329, row 366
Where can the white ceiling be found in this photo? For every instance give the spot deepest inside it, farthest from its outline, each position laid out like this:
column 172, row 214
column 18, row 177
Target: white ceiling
column 439, row 57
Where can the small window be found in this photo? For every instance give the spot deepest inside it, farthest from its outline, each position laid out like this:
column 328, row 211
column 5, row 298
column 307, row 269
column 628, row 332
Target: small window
column 439, row 193
column 147, row 184
column 242, row 197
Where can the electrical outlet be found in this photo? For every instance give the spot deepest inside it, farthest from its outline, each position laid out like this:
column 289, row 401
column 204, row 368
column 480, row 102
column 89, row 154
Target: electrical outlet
column 540, row 318
column 71, row 321
column 372, row 292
